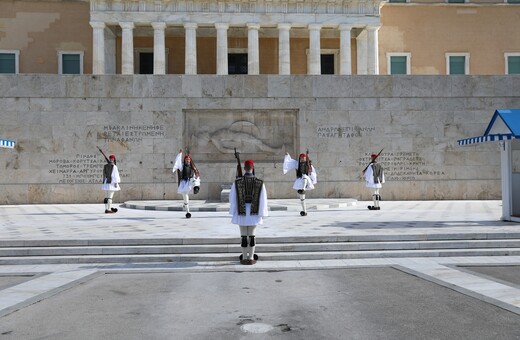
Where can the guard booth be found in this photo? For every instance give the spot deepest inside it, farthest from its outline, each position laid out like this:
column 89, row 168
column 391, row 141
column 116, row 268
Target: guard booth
column 504, row 128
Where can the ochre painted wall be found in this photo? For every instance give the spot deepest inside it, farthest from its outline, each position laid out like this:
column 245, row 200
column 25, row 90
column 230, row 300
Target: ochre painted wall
column 39, row 29
column 430, row 31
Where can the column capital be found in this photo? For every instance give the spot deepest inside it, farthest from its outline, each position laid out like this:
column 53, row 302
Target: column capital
column 284, row 26
column 127, row 25
column 97, row 24
column 314, row 27
column 373, row 28
column 345, row 27
column 159, row 25
column 221, row 25
column 253, row 26
column 190, row 25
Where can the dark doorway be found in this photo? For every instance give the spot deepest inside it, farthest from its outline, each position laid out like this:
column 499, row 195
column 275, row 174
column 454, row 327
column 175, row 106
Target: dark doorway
column 237, row 63
column 146, row 63
column 327, row 64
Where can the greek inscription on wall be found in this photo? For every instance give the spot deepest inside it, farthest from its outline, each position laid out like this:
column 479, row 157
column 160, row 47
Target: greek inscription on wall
column 404, row 166
column 346, row 131
column 78, row 169
column 131, row 133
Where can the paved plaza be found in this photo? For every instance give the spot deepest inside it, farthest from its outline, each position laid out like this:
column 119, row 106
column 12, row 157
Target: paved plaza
column 436, row 297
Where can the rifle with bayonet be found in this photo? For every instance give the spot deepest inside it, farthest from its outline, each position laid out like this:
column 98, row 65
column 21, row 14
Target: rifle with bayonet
column 372, row 161
column 192, row 163
column 239, row 165
column 106, row 158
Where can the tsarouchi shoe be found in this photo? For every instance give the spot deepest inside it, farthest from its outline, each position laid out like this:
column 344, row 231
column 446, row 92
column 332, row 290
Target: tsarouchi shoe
column 109, row 212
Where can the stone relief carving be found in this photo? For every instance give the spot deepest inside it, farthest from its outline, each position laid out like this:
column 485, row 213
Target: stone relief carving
column 261, row 134
column 242, row 135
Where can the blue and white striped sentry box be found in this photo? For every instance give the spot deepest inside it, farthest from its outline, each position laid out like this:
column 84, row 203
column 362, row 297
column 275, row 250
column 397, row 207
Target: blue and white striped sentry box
column 5, row 143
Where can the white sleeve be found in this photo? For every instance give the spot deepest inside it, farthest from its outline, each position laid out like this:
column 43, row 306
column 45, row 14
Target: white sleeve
column 115, row 175
column 178, row 163
column 382, row 176
column 263, row 208
column 233, row 209
column 369, row 175
column 314, row 175
column 289, row 164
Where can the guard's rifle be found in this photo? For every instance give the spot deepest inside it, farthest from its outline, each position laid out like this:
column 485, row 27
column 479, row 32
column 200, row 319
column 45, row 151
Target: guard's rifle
column 239, row 165
column 195, row 170
column 106, row 158
column 309, row 169
column 372, row 161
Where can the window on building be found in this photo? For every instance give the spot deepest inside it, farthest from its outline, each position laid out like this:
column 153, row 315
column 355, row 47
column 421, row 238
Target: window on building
column 512, row 63
column 9, row 61
column 397, row 1
column 456, row 1
column 237, row 63
column 327, row 64
column 457, row 63
column 70, row 62
column 513, row 1
column 398, row 63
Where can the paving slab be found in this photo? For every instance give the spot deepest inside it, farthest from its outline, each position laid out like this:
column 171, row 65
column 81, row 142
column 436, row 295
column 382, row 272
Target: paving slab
column 363, row 303
column 508, row 274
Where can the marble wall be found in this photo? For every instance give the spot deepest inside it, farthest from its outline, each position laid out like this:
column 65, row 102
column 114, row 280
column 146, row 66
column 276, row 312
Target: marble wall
column 59, row 121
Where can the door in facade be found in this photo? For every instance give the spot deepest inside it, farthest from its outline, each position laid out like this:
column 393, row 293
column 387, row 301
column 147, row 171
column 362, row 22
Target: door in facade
column 146, row 63
column 237, row 63
column 327, row 64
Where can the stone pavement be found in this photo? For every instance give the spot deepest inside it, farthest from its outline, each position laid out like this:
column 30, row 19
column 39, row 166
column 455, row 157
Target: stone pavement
column 23, row 285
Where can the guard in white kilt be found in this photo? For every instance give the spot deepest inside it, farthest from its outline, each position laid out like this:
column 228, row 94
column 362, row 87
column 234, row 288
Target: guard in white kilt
column 189, row 179
column 306, row 176
column 374, row 178
column 248, row 205
column 111, row 180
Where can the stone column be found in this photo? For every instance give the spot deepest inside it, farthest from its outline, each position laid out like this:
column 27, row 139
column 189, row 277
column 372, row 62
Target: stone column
column 222, row 48
column 284, row 49
column 253, row 53
column 127, row 48
column 345, row 56
column 190, row 64
column 373, row 50
column 98, row 47
column 314, row 50
column 362, row 52
column 159, row 50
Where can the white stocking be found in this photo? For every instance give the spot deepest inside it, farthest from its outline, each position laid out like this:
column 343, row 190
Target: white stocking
column 251, row 249
column 186, row 199
column 302, row 201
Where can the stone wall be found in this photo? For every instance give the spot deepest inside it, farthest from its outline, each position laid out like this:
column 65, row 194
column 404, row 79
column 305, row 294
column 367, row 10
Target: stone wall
column 58, row 121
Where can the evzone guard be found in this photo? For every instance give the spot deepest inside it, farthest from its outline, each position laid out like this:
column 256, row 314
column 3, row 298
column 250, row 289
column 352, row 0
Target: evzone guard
column 111, row 180
column 188, row 177
column 306, row 176
column 374, row 178
column 248, row 205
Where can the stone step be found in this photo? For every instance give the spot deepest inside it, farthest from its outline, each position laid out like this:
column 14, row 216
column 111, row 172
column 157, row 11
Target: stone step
column 264, row 240
column 280, row 256
column 264, row 247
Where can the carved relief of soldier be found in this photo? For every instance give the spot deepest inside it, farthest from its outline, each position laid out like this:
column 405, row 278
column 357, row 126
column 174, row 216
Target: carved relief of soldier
column 248, row 206
column 306, row 176
column 374, row 179
column 188, row 179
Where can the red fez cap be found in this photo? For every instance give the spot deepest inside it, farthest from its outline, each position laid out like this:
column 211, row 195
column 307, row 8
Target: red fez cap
column 249, row 163
column 374, row 155
column 111, row 157
column 187, row 156
column 303, row 155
